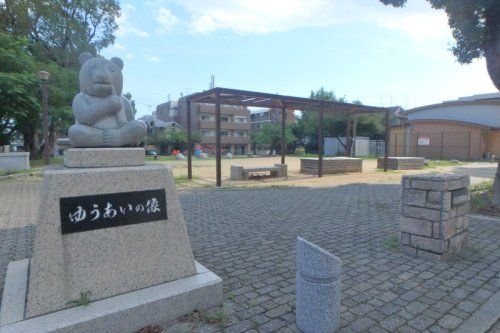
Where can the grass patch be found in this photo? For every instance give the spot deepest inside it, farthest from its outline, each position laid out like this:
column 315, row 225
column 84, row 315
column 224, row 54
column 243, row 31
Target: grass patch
column 84, row 299
column 442, row 163
column 217, row 317
column 39, row 163
column 35, row 165
column 392, row 243
column 481, row 195
column 183, row 180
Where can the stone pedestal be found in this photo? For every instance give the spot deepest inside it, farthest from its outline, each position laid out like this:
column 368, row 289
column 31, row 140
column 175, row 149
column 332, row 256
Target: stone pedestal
column 110, row 232
column 103, row 157
column 434, row 215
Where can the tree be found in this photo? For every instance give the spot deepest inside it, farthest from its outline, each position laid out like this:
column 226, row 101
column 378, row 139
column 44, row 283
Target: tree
column 334, row 125
column 270, row 134
column 60, row 30
column 128, row 96
column 172, row 138
column 18, row 88
column 475, row 25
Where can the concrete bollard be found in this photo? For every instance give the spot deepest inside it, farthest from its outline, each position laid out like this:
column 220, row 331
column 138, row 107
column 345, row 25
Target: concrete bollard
column 318, row 289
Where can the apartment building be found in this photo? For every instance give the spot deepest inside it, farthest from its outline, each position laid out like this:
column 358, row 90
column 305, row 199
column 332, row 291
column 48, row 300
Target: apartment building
column 261, row 116
column 235, row 124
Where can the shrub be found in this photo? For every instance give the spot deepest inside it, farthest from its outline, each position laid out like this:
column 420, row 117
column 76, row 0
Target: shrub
column 300, row 151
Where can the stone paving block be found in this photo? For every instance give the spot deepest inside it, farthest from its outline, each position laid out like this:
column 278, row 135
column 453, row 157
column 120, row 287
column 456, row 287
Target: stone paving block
column 414, row 197
column 410, row 225
column 429, row 244
column 439, row 200
column 251, row 247
column 422, row 213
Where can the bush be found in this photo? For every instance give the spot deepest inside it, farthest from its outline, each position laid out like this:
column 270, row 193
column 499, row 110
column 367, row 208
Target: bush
column 300, row 151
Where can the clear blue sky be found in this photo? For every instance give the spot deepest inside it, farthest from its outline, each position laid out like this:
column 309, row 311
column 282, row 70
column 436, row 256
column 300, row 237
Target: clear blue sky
column 358, row 48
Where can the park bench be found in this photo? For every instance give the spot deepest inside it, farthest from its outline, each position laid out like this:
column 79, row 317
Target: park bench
column 241, row 173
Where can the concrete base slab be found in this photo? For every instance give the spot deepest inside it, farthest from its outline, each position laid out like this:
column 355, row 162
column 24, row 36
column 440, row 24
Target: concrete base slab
column 103, row 157
column 123, row 313
column 14, row 291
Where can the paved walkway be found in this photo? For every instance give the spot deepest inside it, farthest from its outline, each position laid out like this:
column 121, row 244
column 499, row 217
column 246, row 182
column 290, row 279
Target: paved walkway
column 248, row 238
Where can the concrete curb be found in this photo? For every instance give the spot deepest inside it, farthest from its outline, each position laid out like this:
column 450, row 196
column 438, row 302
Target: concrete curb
column 485, row 217
column 125, row 313
column 484, row 318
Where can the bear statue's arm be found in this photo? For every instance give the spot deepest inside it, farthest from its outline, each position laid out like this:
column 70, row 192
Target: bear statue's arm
column 87, row 113
column 128, row 109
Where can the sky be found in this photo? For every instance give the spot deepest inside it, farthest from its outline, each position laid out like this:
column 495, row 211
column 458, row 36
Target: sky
column 360, row 49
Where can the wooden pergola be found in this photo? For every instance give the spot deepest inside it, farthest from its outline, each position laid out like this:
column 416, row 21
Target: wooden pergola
column 224, row 96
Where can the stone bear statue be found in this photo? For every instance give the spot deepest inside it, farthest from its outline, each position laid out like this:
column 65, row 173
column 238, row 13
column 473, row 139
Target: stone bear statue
column 103, row 117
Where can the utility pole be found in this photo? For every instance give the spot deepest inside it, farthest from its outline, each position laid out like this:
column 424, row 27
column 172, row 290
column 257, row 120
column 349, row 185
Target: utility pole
column 44, row 78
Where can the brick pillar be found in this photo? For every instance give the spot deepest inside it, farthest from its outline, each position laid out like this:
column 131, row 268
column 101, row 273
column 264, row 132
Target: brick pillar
column 434, row 215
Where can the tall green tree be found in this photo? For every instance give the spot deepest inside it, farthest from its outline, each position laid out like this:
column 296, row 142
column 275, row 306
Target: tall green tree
column 475, row 25
column 270, row 134
column 18, row 88
column 334, row 125
column 172, row 138
column 59, row 30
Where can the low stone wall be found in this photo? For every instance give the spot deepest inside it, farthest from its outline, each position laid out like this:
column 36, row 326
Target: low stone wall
column 15, row 161
column 434, row 215
column 331, row 165
column 240, row 173
column 402, row 163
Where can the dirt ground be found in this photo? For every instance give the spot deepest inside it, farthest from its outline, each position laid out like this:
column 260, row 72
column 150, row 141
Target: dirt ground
column 204, row 173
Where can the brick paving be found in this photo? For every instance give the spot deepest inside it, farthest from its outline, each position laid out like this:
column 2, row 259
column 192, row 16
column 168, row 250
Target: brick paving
column 248, row 238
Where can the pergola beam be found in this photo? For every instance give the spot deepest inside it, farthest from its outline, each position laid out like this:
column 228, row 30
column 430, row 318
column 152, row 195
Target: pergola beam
column 236, row 97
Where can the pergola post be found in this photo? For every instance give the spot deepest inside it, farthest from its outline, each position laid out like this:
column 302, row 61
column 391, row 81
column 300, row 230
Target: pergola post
column 217, row 141
column 283, row 125
column 189, row 143
column 387, row 137
column 320, row 144
column 354, row 134
column 348, row 142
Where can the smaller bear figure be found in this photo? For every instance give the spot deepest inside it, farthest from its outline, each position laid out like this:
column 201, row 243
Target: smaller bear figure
column 103, row 118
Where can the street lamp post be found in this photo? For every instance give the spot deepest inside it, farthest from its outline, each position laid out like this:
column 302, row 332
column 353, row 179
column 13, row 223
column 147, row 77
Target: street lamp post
column 44, row 78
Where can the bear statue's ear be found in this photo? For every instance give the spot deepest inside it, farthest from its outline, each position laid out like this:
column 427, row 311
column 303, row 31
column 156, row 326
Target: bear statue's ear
column 118, row 62
column 82, row 58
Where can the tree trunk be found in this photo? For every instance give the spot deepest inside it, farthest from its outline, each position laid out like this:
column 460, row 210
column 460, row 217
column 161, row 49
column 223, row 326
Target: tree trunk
column 492, row 55
column 348, row 139
column 495, row 203
column 52, row 142
column 31, row 143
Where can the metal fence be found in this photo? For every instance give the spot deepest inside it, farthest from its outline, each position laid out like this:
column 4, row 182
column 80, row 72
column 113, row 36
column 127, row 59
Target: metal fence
column 377, row 148
column 436, row 145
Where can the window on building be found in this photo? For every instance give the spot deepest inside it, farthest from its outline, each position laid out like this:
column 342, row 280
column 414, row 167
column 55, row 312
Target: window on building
column 224, row 119
column 240, row 119
column 224, row 133
column 240, row 134
column 207, row 133
column 207, row 117
column 173, row 112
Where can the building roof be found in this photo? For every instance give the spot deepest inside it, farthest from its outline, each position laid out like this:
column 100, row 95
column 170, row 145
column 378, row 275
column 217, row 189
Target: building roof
column 480, row 110
column 152, row 121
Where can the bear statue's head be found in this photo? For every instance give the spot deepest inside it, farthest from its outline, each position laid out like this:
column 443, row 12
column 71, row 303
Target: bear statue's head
column 100, row 77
